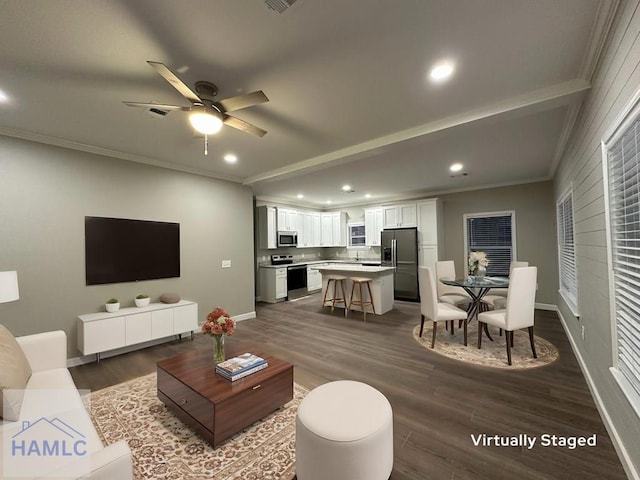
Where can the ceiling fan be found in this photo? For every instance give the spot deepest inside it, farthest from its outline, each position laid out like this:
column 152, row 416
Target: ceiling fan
column 207, row 115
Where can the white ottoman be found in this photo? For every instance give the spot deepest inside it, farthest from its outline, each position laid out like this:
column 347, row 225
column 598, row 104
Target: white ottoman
column 344, row 431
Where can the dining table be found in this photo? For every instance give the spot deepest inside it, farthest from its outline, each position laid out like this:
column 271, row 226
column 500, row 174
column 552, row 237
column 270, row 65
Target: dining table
column 477, row 287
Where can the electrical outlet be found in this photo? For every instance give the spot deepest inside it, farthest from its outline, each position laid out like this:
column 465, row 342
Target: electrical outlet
column 582, row 332
column 303, row 255
column 226, row 263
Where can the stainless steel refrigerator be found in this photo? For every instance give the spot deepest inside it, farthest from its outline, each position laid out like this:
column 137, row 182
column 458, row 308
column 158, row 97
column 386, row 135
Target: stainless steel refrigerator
column 399, row 249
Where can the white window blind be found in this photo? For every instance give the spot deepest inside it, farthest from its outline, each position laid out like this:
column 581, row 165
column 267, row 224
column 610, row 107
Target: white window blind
column 623, row 159
column 493, row 234
column 566, row 250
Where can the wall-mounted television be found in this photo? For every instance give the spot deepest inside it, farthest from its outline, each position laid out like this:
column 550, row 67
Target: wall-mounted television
column 123, row 250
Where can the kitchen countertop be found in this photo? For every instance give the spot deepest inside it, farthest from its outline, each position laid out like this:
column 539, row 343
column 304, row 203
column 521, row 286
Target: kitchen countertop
column 316, row 262
column 355, row 268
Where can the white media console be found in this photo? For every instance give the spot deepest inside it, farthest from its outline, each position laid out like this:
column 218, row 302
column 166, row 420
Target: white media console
column 103, row 331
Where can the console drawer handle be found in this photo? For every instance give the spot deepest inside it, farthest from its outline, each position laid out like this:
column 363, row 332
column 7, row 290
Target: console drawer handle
column 257, row 387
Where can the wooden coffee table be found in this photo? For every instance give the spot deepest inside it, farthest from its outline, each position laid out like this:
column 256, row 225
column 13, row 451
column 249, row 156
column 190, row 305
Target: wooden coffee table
column 216, row 408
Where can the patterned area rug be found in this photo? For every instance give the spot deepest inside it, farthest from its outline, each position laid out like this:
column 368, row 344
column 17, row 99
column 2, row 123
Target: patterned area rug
column 163, row 447
column 492, row 354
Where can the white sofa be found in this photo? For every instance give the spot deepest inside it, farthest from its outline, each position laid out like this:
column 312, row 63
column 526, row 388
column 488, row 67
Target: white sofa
column 50, row 379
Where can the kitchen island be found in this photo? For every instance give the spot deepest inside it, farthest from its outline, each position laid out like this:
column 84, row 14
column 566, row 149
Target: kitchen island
column 381, row 283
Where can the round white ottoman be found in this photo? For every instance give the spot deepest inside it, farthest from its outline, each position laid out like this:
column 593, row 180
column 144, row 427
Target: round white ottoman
column 344, row 431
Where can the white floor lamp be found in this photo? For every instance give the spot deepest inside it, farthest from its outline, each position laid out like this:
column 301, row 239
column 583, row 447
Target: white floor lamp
column 9, row 287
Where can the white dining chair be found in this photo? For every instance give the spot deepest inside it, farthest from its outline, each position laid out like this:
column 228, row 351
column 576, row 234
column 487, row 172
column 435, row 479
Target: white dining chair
column 433, row 310
column 500, row 294
column 520, row 309
column 446, row 269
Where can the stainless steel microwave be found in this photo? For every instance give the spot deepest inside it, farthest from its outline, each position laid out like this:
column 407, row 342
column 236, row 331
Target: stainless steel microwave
column 287, row 239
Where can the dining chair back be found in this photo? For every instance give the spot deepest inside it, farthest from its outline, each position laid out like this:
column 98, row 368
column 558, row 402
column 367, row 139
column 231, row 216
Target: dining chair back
column 432, row 309
column 500, row 294
column 521, row 298
column 520, row 309
column 446, row 270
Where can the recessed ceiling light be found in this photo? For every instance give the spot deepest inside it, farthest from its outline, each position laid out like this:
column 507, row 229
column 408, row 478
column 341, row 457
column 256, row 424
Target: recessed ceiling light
column 328, row 202
column 3, row 97
column 368, row 195
column 456, row 167
column 346, row 188
column 300, row 195
column 230, row 158
column 441, row 71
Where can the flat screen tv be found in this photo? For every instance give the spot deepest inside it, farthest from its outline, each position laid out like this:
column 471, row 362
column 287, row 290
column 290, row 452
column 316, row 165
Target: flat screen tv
column 121, row 250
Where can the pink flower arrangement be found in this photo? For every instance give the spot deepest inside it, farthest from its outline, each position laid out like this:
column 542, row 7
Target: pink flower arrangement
column 219, row 322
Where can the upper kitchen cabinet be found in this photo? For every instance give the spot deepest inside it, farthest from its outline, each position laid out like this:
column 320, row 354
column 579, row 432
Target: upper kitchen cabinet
column 395, row 216
column 287, row 220
column 372, row 226
column 430, row 228
column 333, row 227
column 266, row 227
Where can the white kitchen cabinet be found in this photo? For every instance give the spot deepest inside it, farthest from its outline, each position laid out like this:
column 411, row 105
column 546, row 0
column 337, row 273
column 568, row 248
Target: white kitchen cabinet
column 305, row 229
column 273, row 284
column 430, row 229
column 316, row 220
column 334, row 229
column 266, row 227
column 104, row 331
column 372, row 226
column 287, row 220
column 427, row 256
column 395, row 216
column 326, row 236
column 314, row 277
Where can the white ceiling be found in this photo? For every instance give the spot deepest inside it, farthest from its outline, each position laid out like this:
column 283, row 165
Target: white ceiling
column 350, row 100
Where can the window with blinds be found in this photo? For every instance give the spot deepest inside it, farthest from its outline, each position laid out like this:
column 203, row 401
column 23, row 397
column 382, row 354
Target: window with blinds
column 566, row 251
column 494, row 234
column 622, row 168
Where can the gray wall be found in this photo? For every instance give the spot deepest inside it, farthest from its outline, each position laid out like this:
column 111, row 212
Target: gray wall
column 615, row 83
column 535, row 228
column 45, row 193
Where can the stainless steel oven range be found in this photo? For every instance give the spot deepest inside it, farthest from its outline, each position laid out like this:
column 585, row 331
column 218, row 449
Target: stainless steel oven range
column 296, row 275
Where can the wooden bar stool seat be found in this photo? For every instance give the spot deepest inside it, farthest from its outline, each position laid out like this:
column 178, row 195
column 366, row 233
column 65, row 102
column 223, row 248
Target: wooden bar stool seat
column 336, row 279
column 359, row 282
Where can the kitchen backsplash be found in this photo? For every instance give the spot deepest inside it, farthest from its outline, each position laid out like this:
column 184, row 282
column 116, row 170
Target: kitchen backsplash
column 325, row 253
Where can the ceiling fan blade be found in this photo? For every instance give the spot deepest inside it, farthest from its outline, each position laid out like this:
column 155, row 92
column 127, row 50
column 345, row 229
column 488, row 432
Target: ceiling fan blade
column 172, row 78
column 157, row 105
column 244, row 126
column 243, row 101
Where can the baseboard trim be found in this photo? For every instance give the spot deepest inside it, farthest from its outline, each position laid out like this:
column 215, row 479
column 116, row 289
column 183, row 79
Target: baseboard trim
column 546, row 306
column 623, row 454
column 244, row 316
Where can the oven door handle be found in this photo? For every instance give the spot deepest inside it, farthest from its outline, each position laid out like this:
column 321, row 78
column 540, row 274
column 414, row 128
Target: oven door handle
column 298, row 267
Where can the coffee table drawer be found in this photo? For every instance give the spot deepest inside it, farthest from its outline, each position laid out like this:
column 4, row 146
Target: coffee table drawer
column 194, row 404
column 243, row 409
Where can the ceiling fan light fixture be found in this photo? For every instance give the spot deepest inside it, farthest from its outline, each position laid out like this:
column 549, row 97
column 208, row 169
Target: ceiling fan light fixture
column 205, row 121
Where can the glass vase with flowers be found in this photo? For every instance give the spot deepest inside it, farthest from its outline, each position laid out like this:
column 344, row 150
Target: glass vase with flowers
column 478, row 263
column 218, row 324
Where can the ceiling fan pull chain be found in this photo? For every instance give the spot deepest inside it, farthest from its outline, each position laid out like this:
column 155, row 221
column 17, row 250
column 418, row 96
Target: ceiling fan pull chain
column 206, row 144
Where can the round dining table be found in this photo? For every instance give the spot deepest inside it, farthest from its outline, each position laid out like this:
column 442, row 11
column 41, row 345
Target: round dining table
column 476, row 287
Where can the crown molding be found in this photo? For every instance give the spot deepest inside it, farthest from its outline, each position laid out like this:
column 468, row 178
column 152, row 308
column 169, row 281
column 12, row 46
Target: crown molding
column 598, row 36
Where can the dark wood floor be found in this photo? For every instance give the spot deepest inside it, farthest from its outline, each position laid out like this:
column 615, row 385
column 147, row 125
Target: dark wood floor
column 438, row 403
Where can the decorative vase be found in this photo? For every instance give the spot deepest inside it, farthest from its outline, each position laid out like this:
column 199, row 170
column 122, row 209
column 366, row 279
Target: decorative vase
column 142, row 302
column 112, row 307
column 218, row 349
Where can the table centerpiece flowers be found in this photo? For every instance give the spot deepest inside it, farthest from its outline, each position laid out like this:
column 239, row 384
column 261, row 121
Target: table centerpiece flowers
column 218, row 324
column 478, row 263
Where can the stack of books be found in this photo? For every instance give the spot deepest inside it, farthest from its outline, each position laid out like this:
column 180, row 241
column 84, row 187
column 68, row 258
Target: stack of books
column 241, row 366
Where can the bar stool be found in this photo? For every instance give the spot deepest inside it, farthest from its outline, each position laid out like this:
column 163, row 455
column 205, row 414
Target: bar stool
column 360, row 281
column 335, row 279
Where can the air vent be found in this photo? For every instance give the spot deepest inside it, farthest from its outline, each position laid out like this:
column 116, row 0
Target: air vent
column 279, row 5
column 156, row 111
column 458, row 174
